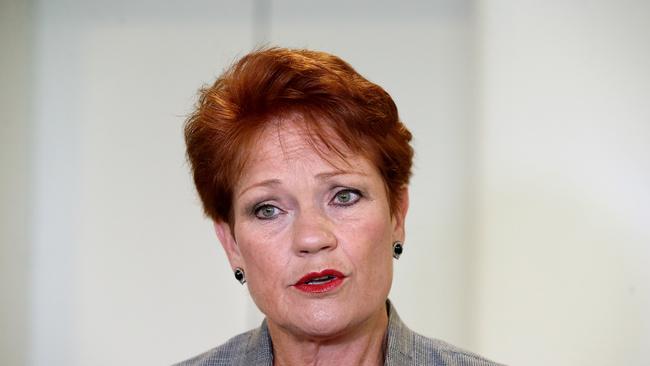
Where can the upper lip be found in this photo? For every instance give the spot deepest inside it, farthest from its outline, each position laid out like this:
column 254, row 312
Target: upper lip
column 312, row 275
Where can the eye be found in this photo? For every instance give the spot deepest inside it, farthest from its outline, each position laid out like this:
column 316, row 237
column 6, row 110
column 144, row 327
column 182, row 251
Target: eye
column 267, row 212
column 346, row 197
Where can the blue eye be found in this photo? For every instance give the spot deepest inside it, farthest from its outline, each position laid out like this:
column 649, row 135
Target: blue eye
column 267, row 212
column 346, row 197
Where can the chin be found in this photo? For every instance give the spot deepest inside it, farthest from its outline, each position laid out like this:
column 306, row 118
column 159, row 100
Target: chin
column 322, row 317
column 326, row 320
column 322, row 327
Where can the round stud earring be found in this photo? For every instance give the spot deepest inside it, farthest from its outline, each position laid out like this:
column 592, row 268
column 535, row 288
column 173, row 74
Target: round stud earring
column 398, row 249
column 240, row 276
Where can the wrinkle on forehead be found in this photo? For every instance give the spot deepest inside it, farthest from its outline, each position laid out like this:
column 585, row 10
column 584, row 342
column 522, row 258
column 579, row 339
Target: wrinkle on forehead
column 297, row 140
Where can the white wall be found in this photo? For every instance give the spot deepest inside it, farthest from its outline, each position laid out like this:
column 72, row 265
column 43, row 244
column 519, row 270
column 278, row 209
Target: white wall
column 564, row 182
column 126, row 270
column 527, row 236
column 15, row 91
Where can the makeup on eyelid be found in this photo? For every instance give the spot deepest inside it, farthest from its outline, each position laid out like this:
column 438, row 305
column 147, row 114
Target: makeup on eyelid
column 355, row 196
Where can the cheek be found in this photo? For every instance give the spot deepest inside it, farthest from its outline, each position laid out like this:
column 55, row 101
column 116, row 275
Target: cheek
column 369, row 249
column 265, row 264
column 368, row 242
column 259, row 246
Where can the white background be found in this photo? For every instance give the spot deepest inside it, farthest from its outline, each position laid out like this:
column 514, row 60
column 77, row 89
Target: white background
column 528, row 236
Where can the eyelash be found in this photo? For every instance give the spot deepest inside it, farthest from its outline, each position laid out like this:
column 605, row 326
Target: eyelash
column 353, row 200
column 354, row 192
column 258, row 208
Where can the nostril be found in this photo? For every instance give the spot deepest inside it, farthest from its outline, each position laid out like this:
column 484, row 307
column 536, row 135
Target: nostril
column 311, row 249
column 313, row 236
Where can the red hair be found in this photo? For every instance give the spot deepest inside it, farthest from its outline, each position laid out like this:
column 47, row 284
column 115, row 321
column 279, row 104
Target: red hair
column 268, row 85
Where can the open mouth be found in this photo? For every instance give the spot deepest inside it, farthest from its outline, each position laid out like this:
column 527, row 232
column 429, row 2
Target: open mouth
column 318, row 282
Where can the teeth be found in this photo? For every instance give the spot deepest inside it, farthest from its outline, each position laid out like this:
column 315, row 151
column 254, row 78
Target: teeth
column 319, row 280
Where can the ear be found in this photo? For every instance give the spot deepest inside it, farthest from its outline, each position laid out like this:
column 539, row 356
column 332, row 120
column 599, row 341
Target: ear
column 227, row 239
column 399, row 216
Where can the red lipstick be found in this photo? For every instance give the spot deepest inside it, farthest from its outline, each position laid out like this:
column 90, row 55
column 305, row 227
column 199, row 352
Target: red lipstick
column 319, row 282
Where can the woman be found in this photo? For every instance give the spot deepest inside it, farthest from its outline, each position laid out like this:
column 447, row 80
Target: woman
column 303, row 166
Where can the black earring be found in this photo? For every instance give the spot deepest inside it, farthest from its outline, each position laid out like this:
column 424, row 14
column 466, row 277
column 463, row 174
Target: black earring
column 397, row 249
column 240, row 276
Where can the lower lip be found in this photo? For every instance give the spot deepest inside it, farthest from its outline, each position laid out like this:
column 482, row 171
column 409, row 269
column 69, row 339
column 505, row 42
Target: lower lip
column 321, row 287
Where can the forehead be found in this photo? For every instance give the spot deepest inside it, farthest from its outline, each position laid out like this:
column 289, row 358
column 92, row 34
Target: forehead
column 289, row 140
column 289, row 144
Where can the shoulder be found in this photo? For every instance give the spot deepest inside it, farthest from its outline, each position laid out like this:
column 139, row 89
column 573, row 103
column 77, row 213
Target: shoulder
column 225, row 354
column 428, row 351
column 236, row 351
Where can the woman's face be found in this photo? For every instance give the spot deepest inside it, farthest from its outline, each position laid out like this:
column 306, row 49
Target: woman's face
column 313, row 237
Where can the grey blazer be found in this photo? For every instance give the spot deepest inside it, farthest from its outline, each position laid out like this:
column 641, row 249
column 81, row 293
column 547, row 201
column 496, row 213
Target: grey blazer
column 404, row 347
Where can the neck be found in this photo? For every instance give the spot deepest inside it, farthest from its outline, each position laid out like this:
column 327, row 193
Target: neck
column 363, row 345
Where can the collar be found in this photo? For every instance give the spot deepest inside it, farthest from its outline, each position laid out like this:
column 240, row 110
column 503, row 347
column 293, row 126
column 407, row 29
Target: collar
column 259, row 349
column 399, row 345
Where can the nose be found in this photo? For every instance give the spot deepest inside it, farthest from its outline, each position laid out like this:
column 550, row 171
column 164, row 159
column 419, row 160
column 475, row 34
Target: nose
column 312, row 233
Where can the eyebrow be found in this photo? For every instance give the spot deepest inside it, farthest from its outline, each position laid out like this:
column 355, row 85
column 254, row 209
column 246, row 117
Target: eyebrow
column 264, row 183
column 319, row 176
column 327, row 175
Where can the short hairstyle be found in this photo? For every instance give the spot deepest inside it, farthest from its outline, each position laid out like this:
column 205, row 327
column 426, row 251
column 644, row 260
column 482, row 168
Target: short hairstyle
column 267, row 85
